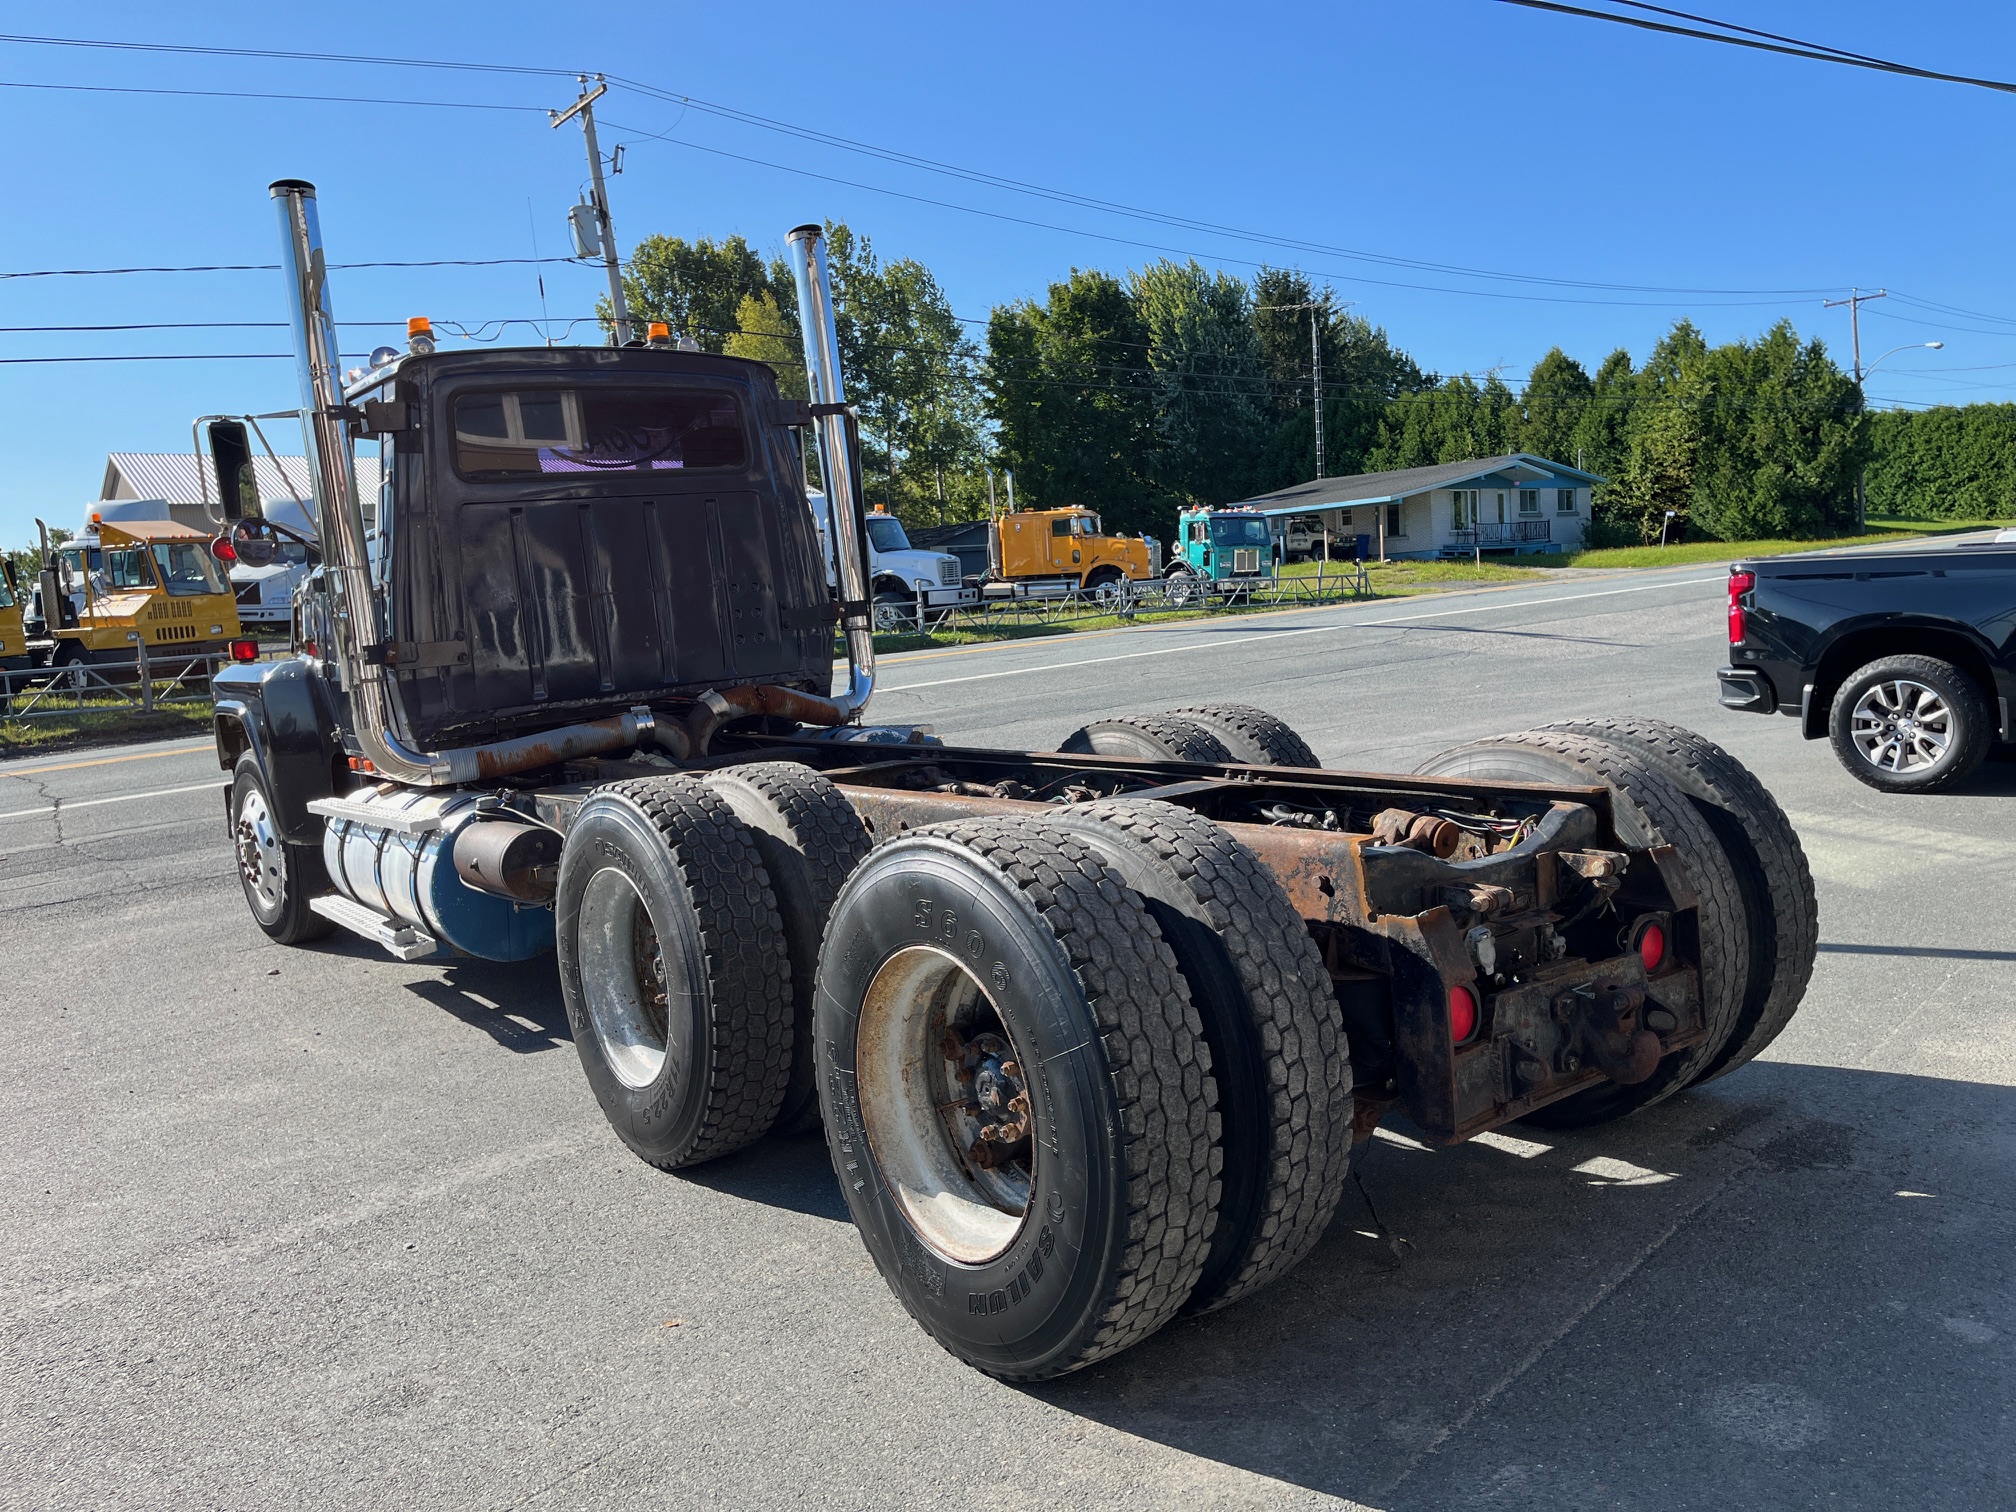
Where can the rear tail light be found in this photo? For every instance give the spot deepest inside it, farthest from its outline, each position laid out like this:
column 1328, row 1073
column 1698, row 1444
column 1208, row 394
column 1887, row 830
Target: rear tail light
column 244, row 650
column 1462, row 1014
column 1740, row 583
column 1652, row 947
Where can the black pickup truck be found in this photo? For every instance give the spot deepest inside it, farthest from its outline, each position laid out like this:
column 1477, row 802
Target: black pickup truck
column 1906, row 661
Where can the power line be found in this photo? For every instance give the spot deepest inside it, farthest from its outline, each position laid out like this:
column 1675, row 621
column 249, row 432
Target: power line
column 290, row 56
column 1732, row 35
column 976, row 176
column 438, row 262
column 1127, row 241
column 244, row 94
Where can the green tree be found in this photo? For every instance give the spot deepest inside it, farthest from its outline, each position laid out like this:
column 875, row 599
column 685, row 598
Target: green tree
column 911, row 371
column 1068, row 389
column 1557, row 398
column 1953, row 462
column 764, row 333
column 1455, row 421
column 696, row 287
column 1209, row 385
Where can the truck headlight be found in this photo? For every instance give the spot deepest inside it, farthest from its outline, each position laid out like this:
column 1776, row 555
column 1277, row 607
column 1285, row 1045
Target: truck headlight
column 216, row 629
column 924, row 584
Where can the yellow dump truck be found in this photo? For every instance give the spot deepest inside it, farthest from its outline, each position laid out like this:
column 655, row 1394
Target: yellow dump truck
column 1064, row 548
column 119, row 586
column 13, row 637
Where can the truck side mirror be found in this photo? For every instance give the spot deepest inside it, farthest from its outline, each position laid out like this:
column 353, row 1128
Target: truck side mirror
column 231, row 466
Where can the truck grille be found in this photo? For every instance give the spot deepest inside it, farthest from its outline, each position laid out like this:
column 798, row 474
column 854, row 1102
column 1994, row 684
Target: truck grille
column 1245, row 561
column 248, row 593
column 948, row 572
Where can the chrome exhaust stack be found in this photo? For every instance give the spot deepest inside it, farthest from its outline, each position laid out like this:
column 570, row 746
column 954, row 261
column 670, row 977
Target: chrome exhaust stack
column 838, row 436
column 358, row 620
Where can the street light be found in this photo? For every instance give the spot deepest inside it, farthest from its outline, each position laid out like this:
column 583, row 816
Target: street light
column 1862, row 473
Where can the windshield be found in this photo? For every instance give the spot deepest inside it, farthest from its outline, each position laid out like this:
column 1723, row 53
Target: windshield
column 1237, row 530
column 885, row 533
column 553, row 430
column 186, row 568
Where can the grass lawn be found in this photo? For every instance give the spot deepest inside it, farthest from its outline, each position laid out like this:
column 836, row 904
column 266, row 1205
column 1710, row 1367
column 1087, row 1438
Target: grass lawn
column 89, row 726
column 1881, row 528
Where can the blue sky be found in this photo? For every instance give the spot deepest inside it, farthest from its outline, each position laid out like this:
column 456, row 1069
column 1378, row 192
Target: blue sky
column 1462, row 133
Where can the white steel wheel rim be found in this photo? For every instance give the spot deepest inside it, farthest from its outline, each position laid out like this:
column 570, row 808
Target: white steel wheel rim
column 915, row 1108
column 262, row 855
column 624, row 983
column 1902, row 726
column 890, row 617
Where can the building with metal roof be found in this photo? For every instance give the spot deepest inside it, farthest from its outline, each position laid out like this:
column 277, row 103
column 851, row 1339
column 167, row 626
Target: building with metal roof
column 1517, row 503
column 171, row 485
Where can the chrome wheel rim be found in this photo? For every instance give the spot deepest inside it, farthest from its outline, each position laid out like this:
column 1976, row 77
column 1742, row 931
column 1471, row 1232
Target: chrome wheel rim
column 944, row 1105
column 1902, row 726
column 262, row 855
column 623, row 979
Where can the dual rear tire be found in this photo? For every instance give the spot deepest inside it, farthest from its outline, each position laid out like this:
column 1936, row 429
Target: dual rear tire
column 1079, row 1075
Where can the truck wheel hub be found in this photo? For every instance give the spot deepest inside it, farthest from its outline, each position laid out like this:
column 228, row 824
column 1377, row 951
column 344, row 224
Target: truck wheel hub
column 261, row 861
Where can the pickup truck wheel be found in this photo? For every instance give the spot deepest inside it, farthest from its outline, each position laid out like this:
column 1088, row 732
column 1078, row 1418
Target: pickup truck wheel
column 1770, row 866
column 278, row 877
column 1270, row 1019
column 1154, row 737
column 1910, row 724
column 1017, row 1094
column 674, row 970
column 810, row 840
column 1649, row 810
column 1252, row 735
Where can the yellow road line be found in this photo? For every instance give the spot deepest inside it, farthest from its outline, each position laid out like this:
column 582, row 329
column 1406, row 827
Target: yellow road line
column 8, row 769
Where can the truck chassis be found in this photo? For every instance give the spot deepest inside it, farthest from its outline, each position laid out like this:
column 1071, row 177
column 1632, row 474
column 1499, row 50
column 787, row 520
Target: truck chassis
column 1093, row 1034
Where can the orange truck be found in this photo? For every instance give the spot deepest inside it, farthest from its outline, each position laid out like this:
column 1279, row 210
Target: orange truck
column 1036, row 552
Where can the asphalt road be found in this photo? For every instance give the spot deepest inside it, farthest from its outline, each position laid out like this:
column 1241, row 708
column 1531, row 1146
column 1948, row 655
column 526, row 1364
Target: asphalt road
column 314, row 1228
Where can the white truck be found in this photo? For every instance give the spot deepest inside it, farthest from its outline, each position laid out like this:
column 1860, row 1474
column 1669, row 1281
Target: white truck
column 908, row 585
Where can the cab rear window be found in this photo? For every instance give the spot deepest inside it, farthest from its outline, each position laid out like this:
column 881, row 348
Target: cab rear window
column 520, row 433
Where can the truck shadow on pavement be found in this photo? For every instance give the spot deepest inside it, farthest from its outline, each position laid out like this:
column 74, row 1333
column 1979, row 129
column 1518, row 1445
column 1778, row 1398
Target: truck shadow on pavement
column 1789, row 1289
column 521, row 1010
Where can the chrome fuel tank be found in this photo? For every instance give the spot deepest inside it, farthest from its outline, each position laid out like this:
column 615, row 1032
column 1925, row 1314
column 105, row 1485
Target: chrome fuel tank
column 411, row 876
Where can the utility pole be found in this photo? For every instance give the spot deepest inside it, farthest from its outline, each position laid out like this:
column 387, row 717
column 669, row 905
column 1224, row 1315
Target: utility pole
column 1317, row 309
column 1855, row 300
column 1316, row 368
column 585, row 108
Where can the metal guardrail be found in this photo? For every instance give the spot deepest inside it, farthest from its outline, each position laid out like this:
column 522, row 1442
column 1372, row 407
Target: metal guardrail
column 1129, row 600
column 139, row 686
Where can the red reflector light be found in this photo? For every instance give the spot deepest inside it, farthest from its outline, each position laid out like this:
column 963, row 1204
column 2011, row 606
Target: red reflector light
column 244, row 650
column 1462, row 1014
column 223, row 550
column 1652, row 946
column 1740, row 583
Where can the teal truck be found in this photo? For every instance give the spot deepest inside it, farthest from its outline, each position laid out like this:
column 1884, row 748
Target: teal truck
column 1220, row 551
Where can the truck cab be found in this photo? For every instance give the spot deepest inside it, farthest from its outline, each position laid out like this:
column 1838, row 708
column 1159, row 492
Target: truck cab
column 13, row 638
column 1231, row 547
column 906, row 581
column 119, row 586
column 1069, row 543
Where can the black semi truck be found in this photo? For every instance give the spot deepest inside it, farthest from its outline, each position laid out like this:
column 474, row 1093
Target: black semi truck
column 1093, row 1034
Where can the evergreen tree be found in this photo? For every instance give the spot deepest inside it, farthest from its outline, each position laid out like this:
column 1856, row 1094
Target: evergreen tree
column 1068, row 389
column 1952, row 462
column 1209, row 384
column 1556, row 402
